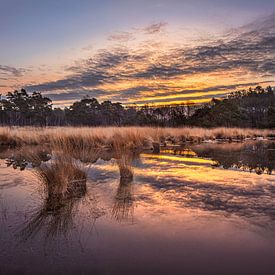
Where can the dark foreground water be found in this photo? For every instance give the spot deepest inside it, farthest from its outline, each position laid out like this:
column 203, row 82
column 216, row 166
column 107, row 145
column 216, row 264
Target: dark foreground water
column 198, row 209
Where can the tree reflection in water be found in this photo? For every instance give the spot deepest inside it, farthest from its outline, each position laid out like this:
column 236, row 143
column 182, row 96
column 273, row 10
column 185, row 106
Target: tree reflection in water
column 27, row 155
column 258, row 157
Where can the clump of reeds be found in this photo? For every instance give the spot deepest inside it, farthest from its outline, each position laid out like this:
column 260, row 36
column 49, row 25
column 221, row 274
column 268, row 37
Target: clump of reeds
column 62, row 179
column 125, row 167
column 124, row 157
column 64, row 183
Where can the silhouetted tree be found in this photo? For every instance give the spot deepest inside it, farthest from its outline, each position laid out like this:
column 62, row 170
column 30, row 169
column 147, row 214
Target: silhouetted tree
column 20, row 108
column 244, row 108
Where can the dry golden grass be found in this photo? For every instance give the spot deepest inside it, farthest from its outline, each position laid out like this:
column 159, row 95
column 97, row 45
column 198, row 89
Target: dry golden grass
column 130, row 137
column 62, row 177
column 64, row 183
column 124, row 163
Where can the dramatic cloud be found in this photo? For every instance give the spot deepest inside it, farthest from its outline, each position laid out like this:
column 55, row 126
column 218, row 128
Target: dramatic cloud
column 94, row 71
column 183, row 95
column 121, row 73
column 253, row 51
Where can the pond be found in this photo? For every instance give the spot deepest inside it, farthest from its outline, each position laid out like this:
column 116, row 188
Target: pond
column 195, row 209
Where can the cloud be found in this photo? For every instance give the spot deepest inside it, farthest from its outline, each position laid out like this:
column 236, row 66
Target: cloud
column 125, row 36
column 263, row 24
column 183, row 95
column 75, row 95
column 253, row 51
column 249, row 50
column 121, row 37
column 246, row 201
column 92, row 72
column 155, row 28
column 11, row 71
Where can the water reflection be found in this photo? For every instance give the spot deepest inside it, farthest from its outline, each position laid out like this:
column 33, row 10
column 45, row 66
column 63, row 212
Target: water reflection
column 183, row 175
column 258, row 157
column 123, row 208
column 29, row 155
column 63, row 175
column 89, row 197
column 255, row 203
column 3, row 210
column 64, row 186
column 197, row 186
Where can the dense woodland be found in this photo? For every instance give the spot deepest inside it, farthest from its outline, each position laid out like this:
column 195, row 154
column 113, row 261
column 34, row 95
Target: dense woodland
column 253, row 108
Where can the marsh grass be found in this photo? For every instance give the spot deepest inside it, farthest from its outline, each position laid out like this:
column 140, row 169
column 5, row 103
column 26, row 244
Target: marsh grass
column 124, row 158
column 125, row 167
column 63, row 178
column 125, row 153
column 130, row 137
column 64, row 184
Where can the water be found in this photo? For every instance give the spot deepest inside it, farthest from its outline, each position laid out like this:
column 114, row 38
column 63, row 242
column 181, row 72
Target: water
column 197, row 209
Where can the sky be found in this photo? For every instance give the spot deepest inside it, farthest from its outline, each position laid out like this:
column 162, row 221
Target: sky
column 136, row 52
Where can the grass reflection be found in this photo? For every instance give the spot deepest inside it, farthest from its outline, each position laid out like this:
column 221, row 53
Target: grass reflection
column 64, row 186
column 123, row 208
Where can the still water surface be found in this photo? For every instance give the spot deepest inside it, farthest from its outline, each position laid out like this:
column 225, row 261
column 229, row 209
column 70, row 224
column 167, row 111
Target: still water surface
column 197, row 209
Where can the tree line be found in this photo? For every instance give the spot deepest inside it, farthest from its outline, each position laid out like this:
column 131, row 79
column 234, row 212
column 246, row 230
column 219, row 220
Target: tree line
column 245, row 108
